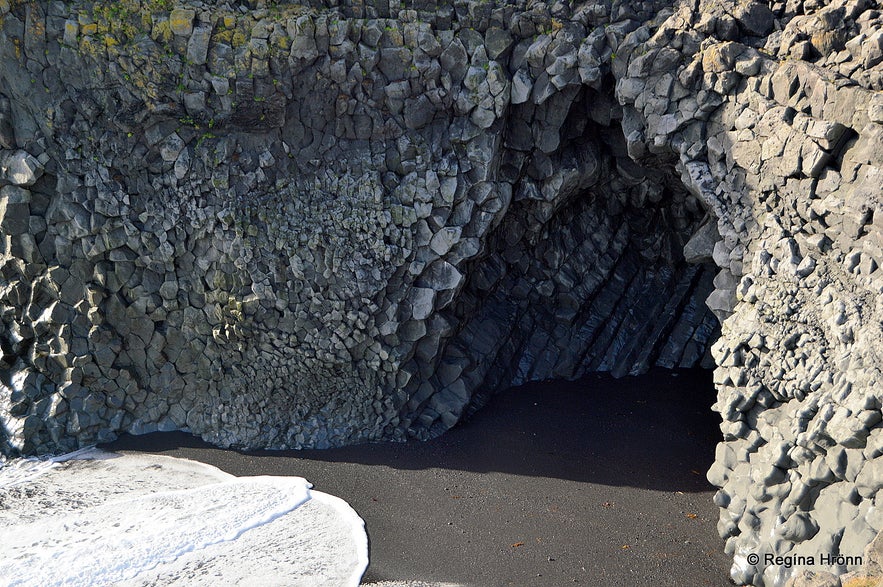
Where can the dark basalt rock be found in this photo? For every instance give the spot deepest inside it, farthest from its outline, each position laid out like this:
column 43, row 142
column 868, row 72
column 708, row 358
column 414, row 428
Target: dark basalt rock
column 289, row 225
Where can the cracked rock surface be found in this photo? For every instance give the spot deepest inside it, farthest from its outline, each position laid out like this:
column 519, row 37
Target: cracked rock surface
column 305, row 225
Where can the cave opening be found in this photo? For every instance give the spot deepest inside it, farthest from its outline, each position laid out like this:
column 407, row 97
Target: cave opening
column 587, row 272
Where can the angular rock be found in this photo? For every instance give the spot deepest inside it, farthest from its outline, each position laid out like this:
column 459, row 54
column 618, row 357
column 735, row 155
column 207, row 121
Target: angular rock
column 385, row 220
column 20, row 168
column 198, row 45
column 181, row 21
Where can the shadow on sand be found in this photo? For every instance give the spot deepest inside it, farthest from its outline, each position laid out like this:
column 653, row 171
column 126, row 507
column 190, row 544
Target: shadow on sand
column 598, row 482
column 654, row 431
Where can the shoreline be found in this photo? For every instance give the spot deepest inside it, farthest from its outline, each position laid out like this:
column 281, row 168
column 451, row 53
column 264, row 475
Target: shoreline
column 599, row 481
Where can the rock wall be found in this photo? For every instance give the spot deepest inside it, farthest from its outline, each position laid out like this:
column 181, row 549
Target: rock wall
column 293, row 225
column 777, row 123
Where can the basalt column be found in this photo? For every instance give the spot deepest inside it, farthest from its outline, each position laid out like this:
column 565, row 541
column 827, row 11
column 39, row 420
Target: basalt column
column 586, row 272
column 305, row 225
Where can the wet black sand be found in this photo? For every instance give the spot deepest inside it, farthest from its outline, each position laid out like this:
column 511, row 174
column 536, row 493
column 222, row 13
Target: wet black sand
column 597, row 482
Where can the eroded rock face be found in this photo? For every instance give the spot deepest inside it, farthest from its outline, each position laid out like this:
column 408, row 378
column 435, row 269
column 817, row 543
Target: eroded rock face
column 776, row 136
column 304, row 227
column 307, row 226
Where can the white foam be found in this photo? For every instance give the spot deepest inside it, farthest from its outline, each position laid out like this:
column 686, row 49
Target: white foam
column 358, row 537
column 138, row 520
column 22, row 471
column 315, row 545
column 115, row 541
column 18, row 471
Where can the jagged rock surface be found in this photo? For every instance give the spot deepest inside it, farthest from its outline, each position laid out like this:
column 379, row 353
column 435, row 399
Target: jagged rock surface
column 311, row 225
column 301, row 227
column 777, row 128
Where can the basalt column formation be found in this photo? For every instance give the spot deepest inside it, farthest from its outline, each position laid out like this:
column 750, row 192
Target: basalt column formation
column 306, row 225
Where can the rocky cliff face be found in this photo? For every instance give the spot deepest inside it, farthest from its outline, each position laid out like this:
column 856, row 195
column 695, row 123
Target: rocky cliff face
column 293, row 226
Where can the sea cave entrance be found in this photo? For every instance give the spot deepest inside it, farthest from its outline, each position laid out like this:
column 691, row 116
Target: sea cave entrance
column 602, row 264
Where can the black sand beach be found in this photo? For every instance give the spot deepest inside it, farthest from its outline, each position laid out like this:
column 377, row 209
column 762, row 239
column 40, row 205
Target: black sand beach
column 596, row 482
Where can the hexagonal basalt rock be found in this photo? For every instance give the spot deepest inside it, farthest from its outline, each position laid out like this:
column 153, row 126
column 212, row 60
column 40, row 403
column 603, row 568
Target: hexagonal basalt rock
column 306, row 225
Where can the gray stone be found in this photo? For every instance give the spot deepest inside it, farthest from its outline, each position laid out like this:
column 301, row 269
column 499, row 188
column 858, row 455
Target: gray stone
column 413, row 213
column 454, row 59
column 171, row 147
column 195, row 104
column 799, row 527
column 395, row 63
column 20, row 168
column 755, row 18
column 418, row 112
column 870, row 479
column 427, row 42
column 521, row 87
column 303, row 39
column 198, row 45
column 721, row 302
column 498, row 43
column 422, row 302
column 445, row 239
column 7, row 129
column 441, row 276
column 181, row 21
column 14, row 210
